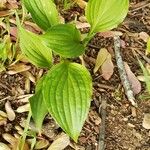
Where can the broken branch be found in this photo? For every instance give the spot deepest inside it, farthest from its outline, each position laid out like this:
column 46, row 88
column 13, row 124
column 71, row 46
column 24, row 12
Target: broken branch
column 122, row 72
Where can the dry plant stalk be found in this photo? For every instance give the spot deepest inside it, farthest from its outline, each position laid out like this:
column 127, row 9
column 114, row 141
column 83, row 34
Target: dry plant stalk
column 122, row 72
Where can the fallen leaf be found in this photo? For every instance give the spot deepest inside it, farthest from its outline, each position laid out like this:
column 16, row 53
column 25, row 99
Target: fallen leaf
column 110, row 34
column 101, row 57
column 81, row 3
column 41, row 144
column 24, row 98
column 12, row 4
column 24, row 108
column 17, row 68
column 3, row 120
column 10, row 112
column 144, row 36
column 9, row 138
column 136, row 85
column 3, row 4
column 14, row 142
column 13, row 31
column 141, row 78
column 60, row 143
column 3, row 114
column 32, row 27
column 5, row 13
column 29, row 76
column 4, row 146
column 107, row 68
column 81, row 25
column 27, row 85
column 146, row 121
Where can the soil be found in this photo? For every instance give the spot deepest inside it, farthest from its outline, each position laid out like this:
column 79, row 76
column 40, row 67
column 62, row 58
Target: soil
column 124, row 130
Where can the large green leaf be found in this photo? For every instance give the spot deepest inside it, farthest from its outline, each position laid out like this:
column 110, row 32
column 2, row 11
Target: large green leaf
column 67, row 94
column 32, row 46
column 43, row 12
column 38, row 107
column 105, row 15
column 65, row 40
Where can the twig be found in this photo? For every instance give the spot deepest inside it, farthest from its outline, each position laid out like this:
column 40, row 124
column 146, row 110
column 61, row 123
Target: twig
column 122, row 72
column 141, row 7
column 144, row 57
column 101, row 143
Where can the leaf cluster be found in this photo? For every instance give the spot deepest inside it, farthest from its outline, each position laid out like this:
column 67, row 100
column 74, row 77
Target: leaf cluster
column 65, row 91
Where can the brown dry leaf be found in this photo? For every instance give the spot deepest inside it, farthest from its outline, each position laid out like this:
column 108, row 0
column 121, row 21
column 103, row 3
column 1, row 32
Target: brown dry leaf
column 39, row 75
column 141, row 78
column 135, row 83
column 81, row 25
column 2, row 4
column 14, row 142
column 101, row 57
column 110, row 34
column 28, row 75
column 144, row 36
column 32, row 27
column 60, row 143
column 10, row 112
column 3, row 114
column 24, row 108
column 43, row 143
column 107, row 68
column 27, row 85
column 24, row 98
column 5, row 13
column 4, row 146
column 3, row 120
column 146, row 121
column 12, row 4
column 81, row 3
column 13, row 31
column 17, row 68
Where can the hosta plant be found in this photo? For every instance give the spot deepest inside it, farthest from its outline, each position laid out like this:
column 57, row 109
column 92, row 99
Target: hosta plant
column 65, row 91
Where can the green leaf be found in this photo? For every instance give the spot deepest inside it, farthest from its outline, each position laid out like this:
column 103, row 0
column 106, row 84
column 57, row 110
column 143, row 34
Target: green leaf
column 146, row 75
column 3, row 51
column 38, row 107
column 105, row 15
column 67, row 94
column 148, row 46
column 32, row 46
column 43, row 12
column 65, row 40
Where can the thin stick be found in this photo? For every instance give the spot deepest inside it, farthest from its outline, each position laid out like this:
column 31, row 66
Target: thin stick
column 101, row 143
column 144, row 57
column 122, row 72
column 141, row 7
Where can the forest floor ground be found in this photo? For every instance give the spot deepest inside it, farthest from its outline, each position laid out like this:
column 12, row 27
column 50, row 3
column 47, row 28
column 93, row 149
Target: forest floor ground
column 124, row 129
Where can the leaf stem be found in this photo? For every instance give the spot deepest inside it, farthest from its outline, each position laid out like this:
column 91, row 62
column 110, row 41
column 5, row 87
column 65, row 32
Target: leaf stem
column 88, row 38
column 23, row 138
